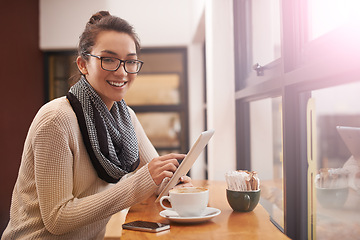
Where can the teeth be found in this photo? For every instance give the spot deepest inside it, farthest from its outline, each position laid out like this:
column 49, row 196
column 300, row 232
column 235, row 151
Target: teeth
column 117, row 84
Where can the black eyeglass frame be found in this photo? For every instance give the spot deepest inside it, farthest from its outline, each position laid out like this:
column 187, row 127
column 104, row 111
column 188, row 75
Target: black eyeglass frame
column 121, row 61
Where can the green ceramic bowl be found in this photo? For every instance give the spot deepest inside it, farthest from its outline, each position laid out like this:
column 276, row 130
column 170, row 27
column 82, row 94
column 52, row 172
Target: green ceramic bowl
column 332, row 197
column 243, row 201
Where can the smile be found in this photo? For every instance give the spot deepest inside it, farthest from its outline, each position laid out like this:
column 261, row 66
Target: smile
column 117, row 84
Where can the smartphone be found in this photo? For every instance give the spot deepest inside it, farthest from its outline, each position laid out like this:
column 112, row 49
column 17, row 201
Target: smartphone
column 146, row 226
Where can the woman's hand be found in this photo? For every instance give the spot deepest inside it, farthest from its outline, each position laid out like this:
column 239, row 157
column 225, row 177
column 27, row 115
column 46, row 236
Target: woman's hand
column 185, row 181
column 164, row 166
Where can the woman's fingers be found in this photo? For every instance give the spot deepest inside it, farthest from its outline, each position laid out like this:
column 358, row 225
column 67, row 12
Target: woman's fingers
column 185, row 181
column 177, row 156
column 164, row 166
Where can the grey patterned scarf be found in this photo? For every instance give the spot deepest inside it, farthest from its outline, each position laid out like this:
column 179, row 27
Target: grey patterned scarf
column 109, row 136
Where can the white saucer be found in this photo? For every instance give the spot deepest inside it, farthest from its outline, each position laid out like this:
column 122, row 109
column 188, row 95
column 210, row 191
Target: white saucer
column 207, row 215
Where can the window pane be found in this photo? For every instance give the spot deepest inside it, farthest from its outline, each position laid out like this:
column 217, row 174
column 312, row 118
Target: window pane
column 327, row 15
column 61, row 68
column 266, row 154
column 163, row 129
column 154, row 89
column 338, row 172
column 265, row 31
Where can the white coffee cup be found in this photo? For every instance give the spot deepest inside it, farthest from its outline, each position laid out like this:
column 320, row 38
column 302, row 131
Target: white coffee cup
column 187, row 201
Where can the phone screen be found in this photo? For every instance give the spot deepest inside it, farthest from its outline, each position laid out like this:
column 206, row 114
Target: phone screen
column 146, row 226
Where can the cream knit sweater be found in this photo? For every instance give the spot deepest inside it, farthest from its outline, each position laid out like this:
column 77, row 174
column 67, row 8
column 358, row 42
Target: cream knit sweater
column 58, row 194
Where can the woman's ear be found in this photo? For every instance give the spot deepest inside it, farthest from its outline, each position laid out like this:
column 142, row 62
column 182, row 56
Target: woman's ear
column 81, row 64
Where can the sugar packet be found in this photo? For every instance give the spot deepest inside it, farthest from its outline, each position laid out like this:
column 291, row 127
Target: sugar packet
column 242, row 180
column 332, row 178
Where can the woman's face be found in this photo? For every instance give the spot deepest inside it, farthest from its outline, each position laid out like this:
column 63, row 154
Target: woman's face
column 111, row 86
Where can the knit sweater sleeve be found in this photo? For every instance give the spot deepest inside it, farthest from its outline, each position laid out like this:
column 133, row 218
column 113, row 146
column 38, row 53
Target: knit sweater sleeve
column 61, row 211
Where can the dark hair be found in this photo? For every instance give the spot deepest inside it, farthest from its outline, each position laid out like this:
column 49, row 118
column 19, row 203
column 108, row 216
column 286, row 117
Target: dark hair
column 103, row 21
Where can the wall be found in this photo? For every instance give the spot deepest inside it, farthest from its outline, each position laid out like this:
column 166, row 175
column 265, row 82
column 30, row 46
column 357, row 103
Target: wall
column 21, row 74
column 220, row 86
column 157, row 22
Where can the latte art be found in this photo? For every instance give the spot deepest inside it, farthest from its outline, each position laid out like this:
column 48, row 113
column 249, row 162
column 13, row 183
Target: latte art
column 189, row 190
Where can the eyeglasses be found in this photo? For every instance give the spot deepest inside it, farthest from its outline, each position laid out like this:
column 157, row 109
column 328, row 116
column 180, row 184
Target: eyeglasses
column 112, row 64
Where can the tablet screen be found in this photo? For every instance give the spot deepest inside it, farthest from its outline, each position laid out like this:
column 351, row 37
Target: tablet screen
column 188, row 161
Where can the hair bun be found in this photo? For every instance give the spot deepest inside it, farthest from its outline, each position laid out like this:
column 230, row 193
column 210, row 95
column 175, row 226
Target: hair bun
column 97, row 16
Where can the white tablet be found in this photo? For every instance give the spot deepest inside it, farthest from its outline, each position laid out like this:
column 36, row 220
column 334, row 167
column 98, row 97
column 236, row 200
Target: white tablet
column 188, row 161
column 351, row 138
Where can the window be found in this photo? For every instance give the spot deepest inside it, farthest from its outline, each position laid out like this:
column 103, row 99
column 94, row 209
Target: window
column 315, row 80
column 257, row 27
column 267, row 155
column 336, row 13
column 337, row 179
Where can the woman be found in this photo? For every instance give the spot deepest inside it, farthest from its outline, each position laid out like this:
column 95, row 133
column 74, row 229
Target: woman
column 86, row 156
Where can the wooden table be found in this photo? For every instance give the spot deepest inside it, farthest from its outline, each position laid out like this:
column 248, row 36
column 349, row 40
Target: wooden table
column 227, row 225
